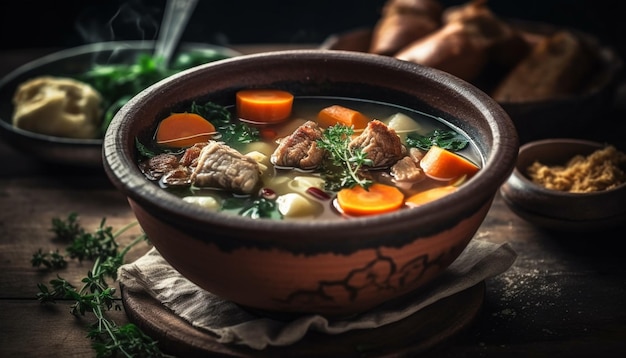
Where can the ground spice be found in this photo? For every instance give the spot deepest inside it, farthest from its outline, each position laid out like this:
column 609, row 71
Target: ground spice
column 601, row 170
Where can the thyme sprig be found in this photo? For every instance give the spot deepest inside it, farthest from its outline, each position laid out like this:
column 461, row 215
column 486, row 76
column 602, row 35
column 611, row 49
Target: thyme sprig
column 95, row 296
column 336, row 140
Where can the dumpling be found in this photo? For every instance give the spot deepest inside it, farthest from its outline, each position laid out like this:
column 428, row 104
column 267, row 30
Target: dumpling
column 57, row 106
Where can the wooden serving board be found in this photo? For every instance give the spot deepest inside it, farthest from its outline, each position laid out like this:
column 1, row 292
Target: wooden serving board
column 428, row 327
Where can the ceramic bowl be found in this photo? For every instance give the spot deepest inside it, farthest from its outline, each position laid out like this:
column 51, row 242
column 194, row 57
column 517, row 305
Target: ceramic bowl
column 73, row 62
column 559, row 210
column 330, row 267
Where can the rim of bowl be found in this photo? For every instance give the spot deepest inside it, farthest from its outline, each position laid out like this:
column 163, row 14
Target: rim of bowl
column 591, row 144
column 61, row 55
column 564, row 224
column 124, row 173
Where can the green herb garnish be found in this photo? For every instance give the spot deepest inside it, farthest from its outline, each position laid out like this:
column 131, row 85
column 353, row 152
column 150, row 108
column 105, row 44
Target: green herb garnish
column 446, row 139
column 336, row 140
column 143, row 149
column 232, row 133
column 95, row 296
column 253, row 208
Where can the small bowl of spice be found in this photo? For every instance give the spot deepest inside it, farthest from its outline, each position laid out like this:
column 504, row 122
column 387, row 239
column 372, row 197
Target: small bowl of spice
column 567, row 184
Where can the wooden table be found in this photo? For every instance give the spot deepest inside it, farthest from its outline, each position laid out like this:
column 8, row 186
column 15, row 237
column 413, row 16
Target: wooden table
column 564, row 296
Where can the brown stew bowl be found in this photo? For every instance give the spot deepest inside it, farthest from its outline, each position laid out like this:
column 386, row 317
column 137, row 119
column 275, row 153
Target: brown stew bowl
column 561, row 211
column 329, row 267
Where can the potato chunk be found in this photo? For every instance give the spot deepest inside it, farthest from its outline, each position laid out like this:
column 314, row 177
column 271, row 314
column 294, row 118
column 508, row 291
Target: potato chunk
column 295, row 205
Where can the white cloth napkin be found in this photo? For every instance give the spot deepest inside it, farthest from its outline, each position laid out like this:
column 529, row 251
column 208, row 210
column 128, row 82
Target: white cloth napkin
column 234, row 325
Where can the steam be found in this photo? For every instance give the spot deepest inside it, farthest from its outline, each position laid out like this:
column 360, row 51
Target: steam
column 132, row 20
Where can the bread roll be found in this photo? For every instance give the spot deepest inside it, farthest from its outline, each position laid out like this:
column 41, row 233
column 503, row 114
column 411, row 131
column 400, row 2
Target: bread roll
column 402, row 22
column 509, row 44
column 453, row 49
column 471, row 37
column 556, row 66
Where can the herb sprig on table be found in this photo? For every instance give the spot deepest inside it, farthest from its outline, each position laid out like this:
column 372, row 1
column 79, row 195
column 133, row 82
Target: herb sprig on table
column 95, row 296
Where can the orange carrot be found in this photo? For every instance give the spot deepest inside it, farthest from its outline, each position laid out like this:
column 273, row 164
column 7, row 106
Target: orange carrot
column 337, row 114
column 377, row 199
column 264, row 105
column 429, row 195
column 442, row 164
column 184, row 130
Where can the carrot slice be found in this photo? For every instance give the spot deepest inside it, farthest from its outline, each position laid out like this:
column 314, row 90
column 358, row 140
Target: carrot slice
column 442, row 164
column 377, row 199
column 264, row 105
column 184, row 130
column 429, row 195
column 337, row 114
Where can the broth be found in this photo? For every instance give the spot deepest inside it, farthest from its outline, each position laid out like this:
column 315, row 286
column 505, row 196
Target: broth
column 282, row 183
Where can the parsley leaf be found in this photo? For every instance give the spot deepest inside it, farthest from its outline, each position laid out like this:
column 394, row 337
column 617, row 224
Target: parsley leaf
column 256, row 208
column 446, row 139
column 233, row 133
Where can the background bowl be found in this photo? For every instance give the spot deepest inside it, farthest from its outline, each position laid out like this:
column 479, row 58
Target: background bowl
column 557, row 210
column 332, row 267
column 73, row 62
column 563, row 116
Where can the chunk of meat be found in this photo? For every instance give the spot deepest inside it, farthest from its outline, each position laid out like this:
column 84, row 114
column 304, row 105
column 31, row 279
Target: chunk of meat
column 190, row 157
column 177, row 177
column 380, row 143
column 169, row 169
column 416, row 154
column 300, row 150
column 407, row 169
column 159, row 165
column 220, row 166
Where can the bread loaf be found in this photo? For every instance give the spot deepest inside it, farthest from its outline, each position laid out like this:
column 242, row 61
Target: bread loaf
column 557, row 65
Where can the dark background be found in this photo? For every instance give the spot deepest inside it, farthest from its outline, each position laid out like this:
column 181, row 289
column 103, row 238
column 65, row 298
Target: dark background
column 28, row 23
